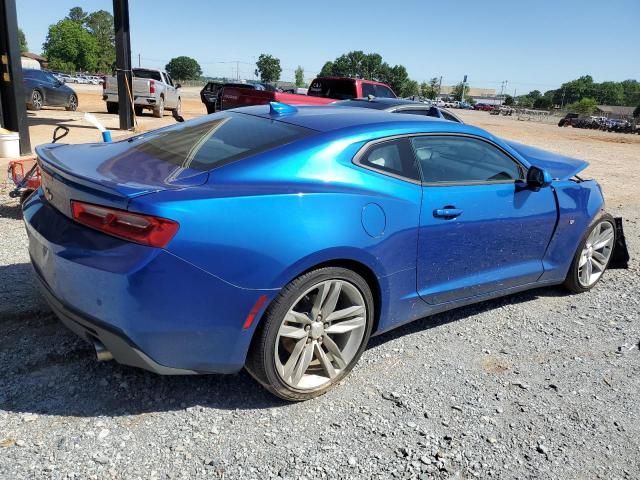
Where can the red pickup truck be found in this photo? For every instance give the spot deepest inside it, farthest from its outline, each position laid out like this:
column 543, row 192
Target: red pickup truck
column 323, row 90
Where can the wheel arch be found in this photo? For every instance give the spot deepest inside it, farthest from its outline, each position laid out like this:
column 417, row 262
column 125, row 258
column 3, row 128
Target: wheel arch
column 357, row 266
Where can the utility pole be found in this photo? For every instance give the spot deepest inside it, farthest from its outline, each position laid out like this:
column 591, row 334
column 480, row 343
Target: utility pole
column 237, row 70
column 440, row 86
column 13, row 114
column 562, row 103
column 123, row 62
column 138, row 60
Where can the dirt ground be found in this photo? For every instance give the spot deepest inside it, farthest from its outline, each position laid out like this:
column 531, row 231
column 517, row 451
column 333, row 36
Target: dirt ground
column 612, row 155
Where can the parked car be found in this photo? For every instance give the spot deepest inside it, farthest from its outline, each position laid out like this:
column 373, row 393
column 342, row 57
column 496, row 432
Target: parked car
column 152, row 90
column 281, row 238
column 568, row 119
column 322, row 91
column 399, row 105
column 211, row 93
column 43, row 89
column 484, row 107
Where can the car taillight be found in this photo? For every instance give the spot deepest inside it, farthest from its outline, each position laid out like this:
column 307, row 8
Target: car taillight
column 152, row 86
column 135, row 227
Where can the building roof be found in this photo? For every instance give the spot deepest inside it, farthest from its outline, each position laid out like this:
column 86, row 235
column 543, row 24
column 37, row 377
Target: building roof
column 34, row 56
column 616, row 110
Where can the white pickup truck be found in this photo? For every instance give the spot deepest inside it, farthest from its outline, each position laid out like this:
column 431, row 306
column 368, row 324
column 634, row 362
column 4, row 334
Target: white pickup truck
column 152, row 89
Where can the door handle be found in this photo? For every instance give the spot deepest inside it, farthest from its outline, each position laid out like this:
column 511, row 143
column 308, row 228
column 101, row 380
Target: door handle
column 447, row 213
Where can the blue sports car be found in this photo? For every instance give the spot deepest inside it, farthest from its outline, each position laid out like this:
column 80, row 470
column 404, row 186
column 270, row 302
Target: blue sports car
column 280, row 239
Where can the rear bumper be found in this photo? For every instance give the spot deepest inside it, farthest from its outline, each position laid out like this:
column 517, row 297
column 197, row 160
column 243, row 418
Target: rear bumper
column 116, row 342
column 150, row 308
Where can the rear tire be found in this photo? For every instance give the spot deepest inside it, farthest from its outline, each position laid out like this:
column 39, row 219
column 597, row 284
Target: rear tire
column 158, row 111
column 301, row 354
column 593, row 255
column 112, row 107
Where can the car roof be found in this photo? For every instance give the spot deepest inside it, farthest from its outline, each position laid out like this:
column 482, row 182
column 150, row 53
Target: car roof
column 381, row 103
column 328, row 118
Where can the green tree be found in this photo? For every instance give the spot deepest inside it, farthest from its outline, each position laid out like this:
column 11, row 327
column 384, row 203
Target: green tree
column 371, row 66
column 396, row 77
column 184, row 68
column 299, row 76
column 508, row 100
column 636, row 112
column 542, row 103
column 22, row 40
column 534, row 94
column 609, row 93
column 76, row 14
column 585, row 106
column 430, row 90
column 268, row 68
column 327, row 70
column 100, row 25
column 410, row 88
column 631, row 92
column 69, row 47
column 460, row 91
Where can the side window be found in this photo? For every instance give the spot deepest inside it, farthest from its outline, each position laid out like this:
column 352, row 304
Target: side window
column 415, row 111
column 367, row 89
column 454, row 159
column 169, row 79
column 450, row 117
column 383, row 92
column 392, row 157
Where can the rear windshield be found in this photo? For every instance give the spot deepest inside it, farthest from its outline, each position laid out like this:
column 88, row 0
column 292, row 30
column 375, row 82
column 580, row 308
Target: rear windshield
column 217, row 140
column 332, row 88
column 150, row 74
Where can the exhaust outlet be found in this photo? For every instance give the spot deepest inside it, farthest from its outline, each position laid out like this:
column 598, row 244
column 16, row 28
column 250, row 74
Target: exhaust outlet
column 102, row 354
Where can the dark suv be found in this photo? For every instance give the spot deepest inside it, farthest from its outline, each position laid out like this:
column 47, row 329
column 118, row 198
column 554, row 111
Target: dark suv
column 42, row 89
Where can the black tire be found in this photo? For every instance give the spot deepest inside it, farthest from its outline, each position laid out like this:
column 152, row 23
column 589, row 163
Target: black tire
column 572, row 282
column 72, row 104
column 261, row 358
column 178, row 109
column 112, row 107
column 138, row 110
column 36, row 100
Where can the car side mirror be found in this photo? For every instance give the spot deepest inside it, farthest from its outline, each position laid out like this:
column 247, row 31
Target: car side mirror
column 538, row 178
column 178, row 85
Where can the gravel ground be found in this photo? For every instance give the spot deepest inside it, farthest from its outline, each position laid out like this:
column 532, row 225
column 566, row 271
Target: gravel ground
column 536, row 385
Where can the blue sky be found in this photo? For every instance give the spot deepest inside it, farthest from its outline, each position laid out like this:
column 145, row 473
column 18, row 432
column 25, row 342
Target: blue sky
column 537, row 44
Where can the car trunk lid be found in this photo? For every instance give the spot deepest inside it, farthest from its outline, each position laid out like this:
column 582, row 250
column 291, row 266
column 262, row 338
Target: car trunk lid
column 109, row 174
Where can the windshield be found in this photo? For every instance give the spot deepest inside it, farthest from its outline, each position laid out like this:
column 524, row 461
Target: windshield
column 217, row 139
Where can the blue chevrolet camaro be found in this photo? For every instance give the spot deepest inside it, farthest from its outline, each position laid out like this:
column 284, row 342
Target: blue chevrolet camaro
column 279, row 239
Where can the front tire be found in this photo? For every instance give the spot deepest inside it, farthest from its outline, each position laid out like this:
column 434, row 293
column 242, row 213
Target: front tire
column 37, row 101
column 312, row 334
column 593, row 255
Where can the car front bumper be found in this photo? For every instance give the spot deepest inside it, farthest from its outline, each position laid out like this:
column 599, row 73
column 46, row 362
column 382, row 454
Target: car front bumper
column 148, row 307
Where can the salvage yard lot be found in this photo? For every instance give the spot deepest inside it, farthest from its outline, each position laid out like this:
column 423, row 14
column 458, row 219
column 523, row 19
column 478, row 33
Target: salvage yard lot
column 536, row 385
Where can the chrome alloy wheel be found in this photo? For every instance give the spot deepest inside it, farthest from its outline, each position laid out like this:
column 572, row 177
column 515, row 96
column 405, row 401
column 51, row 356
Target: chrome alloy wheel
column 36, row 100
column 596, row 253
column 320, row 334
